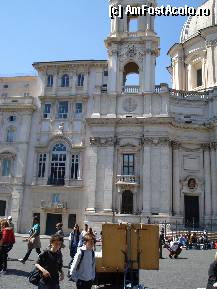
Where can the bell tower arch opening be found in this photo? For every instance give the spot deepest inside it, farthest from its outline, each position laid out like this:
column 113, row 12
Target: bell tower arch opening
column 132, row 24
column 131, row 74
column 132, row 40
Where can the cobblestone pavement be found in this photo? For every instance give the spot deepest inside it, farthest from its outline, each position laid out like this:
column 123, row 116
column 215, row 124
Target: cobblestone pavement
column 187, row 272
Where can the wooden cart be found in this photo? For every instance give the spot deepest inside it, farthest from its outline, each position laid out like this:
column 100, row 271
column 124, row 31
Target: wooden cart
column 126, row 248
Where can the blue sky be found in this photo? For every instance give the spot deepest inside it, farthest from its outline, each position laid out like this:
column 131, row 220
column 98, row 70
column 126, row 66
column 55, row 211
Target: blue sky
column 46, row 30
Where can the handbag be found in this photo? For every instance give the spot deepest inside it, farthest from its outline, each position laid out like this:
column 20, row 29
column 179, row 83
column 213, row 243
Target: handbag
column 35, row 277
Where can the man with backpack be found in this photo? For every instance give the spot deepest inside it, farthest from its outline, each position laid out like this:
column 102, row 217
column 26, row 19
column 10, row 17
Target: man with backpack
column 83, row 269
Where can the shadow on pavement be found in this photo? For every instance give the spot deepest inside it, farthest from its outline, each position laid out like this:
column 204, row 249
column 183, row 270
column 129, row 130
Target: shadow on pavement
column 17, row 272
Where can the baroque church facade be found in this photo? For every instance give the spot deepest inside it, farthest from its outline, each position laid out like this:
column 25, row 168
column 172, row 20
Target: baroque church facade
column 78, row 143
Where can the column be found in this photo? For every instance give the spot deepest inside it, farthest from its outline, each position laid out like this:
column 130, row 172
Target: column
column 166, row 176
column 189, row 77
column 147, row 68
column 108, row 180
column 112, row 80
column 67, row 168
column 213, row 178
column 147, row 177
column 207, row 177
column 43, row 219
column 176, row 178
column 91, row 168
column 96, row 105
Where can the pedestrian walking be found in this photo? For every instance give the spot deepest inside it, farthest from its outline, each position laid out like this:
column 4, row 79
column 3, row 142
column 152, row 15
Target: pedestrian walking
column 7, row 241
column 11, row 225
column 83, row 267
column 33, row 242
column 212, row 273
column 161, row 243
column 50, row 264
column 83, row 233
column 73, row 241
column 59, row 227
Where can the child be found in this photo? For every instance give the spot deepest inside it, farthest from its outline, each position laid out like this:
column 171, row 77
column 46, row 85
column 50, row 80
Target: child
column 83, row 266
column 50, row 264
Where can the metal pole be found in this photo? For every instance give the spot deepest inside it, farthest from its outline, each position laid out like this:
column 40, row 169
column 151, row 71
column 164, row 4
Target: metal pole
column 165, row 228
column 211, row 224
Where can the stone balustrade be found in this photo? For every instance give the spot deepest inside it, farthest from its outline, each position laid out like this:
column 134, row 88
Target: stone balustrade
column 127, row 179
column 190, row 95
column 131, row 88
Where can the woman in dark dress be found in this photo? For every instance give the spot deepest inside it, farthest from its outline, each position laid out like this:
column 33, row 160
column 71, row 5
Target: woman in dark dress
column 212, row 273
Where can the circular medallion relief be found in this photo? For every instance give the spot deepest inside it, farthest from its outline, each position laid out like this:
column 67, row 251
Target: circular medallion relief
column 129, row 104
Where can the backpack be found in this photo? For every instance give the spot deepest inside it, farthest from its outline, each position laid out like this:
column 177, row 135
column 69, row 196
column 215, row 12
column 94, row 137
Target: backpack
column 73, row 278
column 35, row 276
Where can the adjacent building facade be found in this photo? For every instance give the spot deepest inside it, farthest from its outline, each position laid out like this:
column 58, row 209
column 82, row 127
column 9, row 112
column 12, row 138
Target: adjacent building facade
column 92, row 146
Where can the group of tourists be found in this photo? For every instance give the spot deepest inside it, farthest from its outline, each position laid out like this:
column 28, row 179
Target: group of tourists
column 50, row 262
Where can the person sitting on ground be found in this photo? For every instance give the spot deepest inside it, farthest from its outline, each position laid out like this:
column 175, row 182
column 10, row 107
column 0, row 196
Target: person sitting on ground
column 83, row 267
column 50, row 264
column 193, row 239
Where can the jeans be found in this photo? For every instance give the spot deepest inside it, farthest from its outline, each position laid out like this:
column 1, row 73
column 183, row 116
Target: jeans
column 38, row 251
column 84, row 284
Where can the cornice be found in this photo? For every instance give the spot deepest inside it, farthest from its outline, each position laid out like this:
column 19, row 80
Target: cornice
column 103, row 141
column 69, row 97
column 16, row 106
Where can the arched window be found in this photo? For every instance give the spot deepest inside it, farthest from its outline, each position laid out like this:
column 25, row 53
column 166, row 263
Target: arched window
column 58, row 165
column 65, row 80
column 80, row 79
column 50, row 80
column 11, row 134
column 127, row 202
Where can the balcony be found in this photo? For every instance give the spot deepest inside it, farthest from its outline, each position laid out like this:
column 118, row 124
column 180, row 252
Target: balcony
column 130, row 89
column 56, row 182
column 128, row 180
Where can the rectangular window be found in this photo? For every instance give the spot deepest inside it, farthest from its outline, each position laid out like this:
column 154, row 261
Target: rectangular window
column 63, row 109
column 78, row 108
column 128, row 164
column 47, row 110
column 5, row 86
column 6, row 167
column 10, row 135
column 75, row 173
column 55, row 198
column 199, row 77
column 2, row 208
column 42, row 165
column 106, row 73
column 71, row 220
column 26, row 94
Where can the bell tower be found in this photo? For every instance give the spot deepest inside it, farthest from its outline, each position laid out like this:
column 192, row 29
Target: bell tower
column 132, row 47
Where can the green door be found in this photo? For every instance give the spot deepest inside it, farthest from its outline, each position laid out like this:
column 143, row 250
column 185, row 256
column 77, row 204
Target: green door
column 52, row 220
